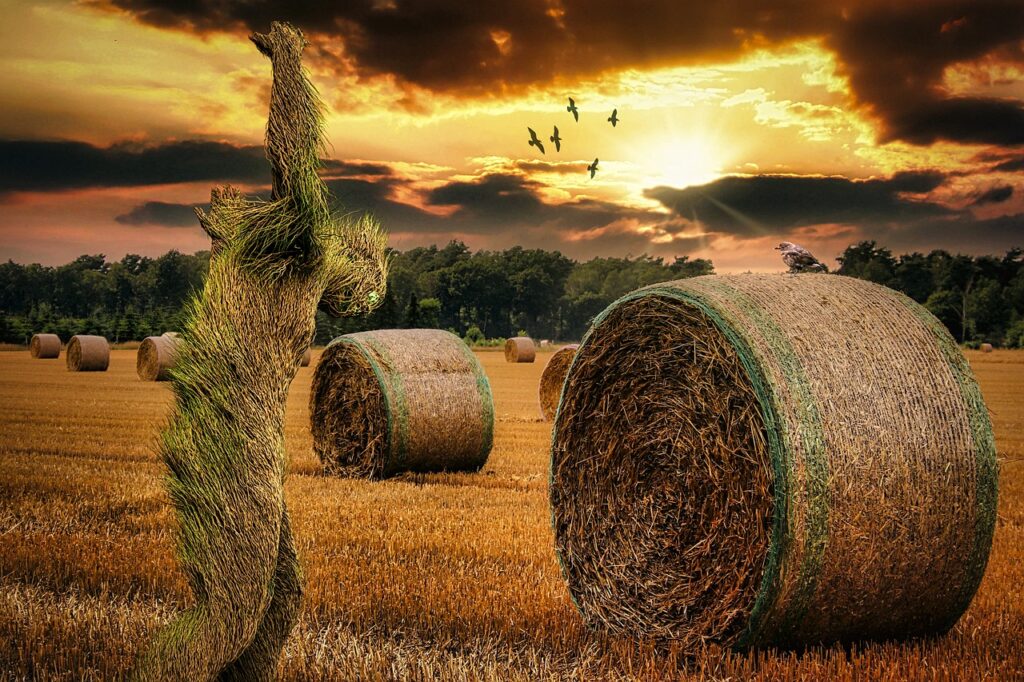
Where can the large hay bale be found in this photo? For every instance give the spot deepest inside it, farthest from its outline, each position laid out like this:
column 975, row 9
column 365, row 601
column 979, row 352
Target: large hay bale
column 44, row 346
column 307, row 357
column 985, row 348
column 520, row 349
column 768, row 460
column 553, row 377
column 156, row 357
column 395, row 400
column 87, row 353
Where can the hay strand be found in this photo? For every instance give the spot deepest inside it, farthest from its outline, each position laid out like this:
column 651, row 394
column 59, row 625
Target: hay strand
column 156, row 357
column 87, row 353
column 762, row 460
column 553, row 377
column 44, row 346
column 388, row 401
column 520, row 349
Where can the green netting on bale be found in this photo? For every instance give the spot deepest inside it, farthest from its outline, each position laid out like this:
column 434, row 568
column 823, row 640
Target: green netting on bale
column 841, row 430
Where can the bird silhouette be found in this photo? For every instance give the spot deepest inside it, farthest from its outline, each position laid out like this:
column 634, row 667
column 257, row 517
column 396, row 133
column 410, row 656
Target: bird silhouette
column 573, row 110
column 614, row 118
column 592, row 168
column 799, row 259
column 557, row 140
column 534, row 142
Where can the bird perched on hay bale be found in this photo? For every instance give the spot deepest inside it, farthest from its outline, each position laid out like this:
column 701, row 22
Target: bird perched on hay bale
column 799, row 259
column 272, row 264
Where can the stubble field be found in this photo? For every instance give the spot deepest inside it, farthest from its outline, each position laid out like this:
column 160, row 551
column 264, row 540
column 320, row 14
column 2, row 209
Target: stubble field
column 426, row 577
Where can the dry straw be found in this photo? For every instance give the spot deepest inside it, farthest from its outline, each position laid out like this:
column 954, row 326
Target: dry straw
column 395, row 400
column 520, row 349
column 44, row 346
column 553, row 377
column 763, row 460
column 88, row 353
column 156, row 357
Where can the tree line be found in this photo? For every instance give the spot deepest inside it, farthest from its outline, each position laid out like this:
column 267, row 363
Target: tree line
column 486, row 294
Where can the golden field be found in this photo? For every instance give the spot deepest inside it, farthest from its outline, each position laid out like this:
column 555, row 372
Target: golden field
column 448, row 577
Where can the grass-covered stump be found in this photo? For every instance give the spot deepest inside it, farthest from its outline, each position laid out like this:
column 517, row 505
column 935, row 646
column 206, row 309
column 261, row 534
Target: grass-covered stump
column 520, row 349
column 44, row 346
column 156, row 357
column 553, row 377
column 87, row 353
column 395, row 400
column 772, row 460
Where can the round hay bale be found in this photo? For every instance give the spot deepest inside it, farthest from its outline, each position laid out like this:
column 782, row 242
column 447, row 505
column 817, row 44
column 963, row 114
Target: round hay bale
column 762, row 460
column 44, row 346
column 88, row 353
column 394, row 400
column 553, row 377
column 520, row 349
column 171, row 334
column 307, row 357
column 985, row 348
column 156, row 356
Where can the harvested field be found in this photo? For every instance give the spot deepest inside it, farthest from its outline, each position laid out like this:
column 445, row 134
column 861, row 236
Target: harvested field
column 421, row 577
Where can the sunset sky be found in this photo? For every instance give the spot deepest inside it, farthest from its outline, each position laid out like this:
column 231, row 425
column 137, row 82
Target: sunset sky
column 741, row 123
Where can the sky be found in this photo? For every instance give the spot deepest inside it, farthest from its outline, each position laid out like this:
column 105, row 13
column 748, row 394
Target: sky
column 741, row 123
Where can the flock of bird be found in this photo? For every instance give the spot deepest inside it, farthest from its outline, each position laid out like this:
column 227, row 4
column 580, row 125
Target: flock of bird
column 796, row 257
column 557, row 139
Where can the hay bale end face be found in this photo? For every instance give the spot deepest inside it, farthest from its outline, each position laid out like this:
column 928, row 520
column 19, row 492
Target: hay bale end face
column 44, row 346
column 553, row 377
column 395, row 400
column 520, row 349
column 764, row 460
column 156, row 357
column 88, row 353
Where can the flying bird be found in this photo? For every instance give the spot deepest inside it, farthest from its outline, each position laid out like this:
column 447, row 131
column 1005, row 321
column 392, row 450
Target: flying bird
column 534, row 142
column 614, row 118
column 573, row 110
column 592, row 168
column 557, row 140
column 799, row 259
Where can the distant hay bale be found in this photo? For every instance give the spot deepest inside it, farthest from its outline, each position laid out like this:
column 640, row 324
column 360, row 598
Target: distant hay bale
column 44, row 346
column 763, row 460
column 520, row 349
column 156, row 357
column 88, row 353
column 394, row 400
column 171, row 334
column 985, row 348
column 552, row 378
column 307, row 357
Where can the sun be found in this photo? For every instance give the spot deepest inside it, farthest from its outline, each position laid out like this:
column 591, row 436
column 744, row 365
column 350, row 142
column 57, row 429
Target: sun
column 682, row 160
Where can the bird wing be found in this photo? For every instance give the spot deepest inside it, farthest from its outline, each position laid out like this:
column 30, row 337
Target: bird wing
column 533, row 135
column 556, row 131
column 540, row 146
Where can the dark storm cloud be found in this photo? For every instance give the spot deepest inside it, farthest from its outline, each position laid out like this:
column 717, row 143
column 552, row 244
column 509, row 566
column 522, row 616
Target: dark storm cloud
column 502, row 200
column 43, row 166
column 894, row 53
column 161, row 213
column 996, row 195
column 1010, row 165
column 29, row 165
column 764, row 204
